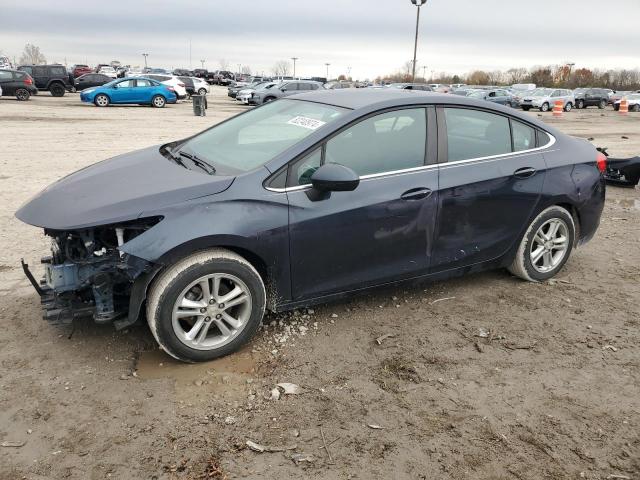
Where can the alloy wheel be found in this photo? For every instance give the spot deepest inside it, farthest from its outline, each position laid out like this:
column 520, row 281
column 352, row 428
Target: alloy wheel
column 211, row 311
column 549, row 245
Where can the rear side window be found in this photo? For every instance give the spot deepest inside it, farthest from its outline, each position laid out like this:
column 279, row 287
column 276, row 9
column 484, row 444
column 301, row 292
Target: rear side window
column 524, row 137
column 543, row 138
column 58, row 71
column 475, row 134
column 5, row 75
column 27, row 69
column 40, row 71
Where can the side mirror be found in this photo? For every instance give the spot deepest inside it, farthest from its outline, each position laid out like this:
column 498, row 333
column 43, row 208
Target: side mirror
column 333, row 177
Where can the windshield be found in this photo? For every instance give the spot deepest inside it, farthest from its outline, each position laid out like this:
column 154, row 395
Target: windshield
column 541, row 92
column 477, row 94
column 253, row 138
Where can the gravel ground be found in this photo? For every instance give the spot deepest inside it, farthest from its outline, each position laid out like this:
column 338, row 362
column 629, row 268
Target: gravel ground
column 480, row 377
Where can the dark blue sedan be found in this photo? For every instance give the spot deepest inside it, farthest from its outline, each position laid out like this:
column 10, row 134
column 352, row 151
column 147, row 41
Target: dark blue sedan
column 308, row 199
column 139, row 90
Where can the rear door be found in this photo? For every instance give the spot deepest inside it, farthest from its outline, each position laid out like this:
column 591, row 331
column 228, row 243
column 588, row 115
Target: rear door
column 489, row 185
column 143, row 91
column 40, row 77
column 382, row 230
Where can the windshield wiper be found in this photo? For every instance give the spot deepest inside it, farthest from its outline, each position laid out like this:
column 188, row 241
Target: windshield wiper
column 175, row 158
column 207, row 167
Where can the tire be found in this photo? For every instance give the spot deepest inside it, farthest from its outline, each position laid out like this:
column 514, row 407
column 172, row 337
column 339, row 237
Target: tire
column 22, row 94
column 523, row 265
column 179, row 282
column 202, row 91
column 636, row 107
column 158, row 101
column 544, row 107
column 616, row 107
column 269, row 99
column 526, row 109
column 580, row 104
column 57, row 90
column 568, row 107
column 602, row 104
column 101, row 100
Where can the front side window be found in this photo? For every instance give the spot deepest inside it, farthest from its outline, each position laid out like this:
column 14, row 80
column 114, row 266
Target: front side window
column 125, row 84
column 390, row 141
column 301, row 171
column 475, row 134
column 27, row 69
column 253, row 138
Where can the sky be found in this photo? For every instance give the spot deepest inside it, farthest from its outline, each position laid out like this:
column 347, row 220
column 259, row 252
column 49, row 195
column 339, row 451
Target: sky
column 364, row 37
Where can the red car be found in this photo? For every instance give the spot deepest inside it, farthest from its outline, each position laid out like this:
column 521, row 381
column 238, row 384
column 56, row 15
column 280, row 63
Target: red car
column 79, row 70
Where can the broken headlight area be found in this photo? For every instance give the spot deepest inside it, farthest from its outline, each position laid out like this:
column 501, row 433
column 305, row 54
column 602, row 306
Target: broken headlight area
column 86, row 273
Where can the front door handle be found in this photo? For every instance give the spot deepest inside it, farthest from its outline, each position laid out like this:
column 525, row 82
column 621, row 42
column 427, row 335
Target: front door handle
column 416, row 194
column 525, row 172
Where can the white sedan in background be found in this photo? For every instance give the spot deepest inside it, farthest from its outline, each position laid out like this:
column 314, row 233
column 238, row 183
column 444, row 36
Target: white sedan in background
column 170, row 80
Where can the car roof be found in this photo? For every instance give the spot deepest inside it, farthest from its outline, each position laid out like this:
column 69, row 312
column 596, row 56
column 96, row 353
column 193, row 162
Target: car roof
column 372, row 99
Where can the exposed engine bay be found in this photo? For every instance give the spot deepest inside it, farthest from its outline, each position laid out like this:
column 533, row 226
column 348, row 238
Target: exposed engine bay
column 87, row 275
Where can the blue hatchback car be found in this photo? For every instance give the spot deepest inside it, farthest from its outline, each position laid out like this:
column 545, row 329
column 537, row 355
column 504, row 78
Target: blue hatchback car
column 142, row 91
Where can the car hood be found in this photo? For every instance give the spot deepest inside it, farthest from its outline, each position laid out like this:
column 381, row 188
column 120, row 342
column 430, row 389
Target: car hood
column 116, row 190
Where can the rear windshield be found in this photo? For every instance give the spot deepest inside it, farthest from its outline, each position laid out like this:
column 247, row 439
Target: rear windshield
column 253, row 138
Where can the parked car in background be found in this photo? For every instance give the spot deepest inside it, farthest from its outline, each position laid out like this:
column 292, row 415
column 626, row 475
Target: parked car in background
column 618, row 96
column 79, row 69
column 53, row 78
column 523, row 87
column 182, row 72
column 195, row 85
column 633, row 100
column 500, row 96
column 338, row 84
column 412, row 86
column 591, row 97
column 172, row 81
column 90, row 80
column 545, row 98
column 284, row 89
column 246, row 95
column 5, row 62
column 221, row 77
column 107, row 70
column 17, row 83
column 138, row 90
column 316, row 198
column 200, row 72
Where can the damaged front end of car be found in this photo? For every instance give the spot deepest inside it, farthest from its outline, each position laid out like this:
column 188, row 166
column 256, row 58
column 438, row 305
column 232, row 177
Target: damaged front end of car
column 87, row 275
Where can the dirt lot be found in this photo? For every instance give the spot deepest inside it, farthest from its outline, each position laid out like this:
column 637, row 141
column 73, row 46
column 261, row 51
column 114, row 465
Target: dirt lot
column 552, row 392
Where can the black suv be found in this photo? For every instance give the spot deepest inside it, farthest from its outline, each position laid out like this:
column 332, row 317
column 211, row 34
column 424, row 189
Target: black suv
column 54, row 78
column 17, row 83
column 591, row 97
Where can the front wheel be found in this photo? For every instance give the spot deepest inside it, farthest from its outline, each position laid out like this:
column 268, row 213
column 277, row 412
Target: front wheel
column 636, row 107
column 205, row 306
column 544, row 107
column 269, row 99
column 580, row 104
column 602, row 104
column 57, row 90
column 158, row 101
column 202, row 91
column 526, row 109
column 101, row 100
column 546, row 245
column 22, row 94
column 568, row 107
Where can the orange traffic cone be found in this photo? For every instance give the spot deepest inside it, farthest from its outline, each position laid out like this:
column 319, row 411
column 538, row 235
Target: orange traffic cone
column 624, row 106
column 557, row 109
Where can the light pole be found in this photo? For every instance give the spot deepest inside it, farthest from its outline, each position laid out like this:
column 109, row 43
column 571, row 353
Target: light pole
column 424, row 73
column 202, row 63
column 294, row 66
column 145, row 55
column 327, row 65
column 417, row 3
column 570, row 65
column 348, row 73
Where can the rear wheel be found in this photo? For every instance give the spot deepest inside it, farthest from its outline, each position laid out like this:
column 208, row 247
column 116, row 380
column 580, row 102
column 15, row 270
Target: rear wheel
column 206, row 305
column 269, row 99
column 568, row 107
column 202, row 91
column 57, row 90
column 158, row 101
column 526, row 109
column 101, row 100
column 546, row 245
column 636, row 107
column 602, row 104
column 22, row 94
column 544, row 107
column 580, row 104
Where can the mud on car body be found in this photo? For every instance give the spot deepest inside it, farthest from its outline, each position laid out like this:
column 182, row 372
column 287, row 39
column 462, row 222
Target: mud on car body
column 308, row 199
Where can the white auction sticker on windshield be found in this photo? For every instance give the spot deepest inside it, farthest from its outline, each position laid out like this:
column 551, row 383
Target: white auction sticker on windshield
column 310, row 123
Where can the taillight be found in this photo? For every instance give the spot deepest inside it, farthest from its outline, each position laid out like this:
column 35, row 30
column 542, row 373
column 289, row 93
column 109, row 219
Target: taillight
column 28, row 81
column 171, row 89
column 181, row 85
column 601, row 161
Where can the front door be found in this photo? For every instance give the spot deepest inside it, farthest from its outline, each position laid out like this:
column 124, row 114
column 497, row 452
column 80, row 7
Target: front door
column 377, row 233
column 488, row 187
column 124, row 92
column 7, row 82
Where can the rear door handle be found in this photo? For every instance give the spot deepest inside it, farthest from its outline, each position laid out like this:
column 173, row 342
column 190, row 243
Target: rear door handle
column 525, row 172
column 416, row 194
